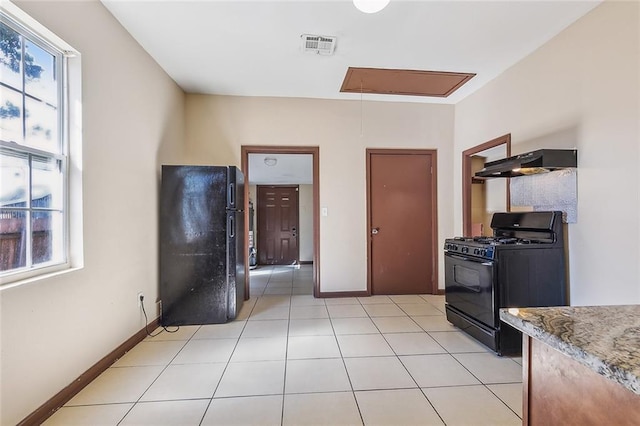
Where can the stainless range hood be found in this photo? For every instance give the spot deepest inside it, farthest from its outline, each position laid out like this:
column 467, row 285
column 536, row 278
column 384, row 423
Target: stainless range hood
column 534, row 162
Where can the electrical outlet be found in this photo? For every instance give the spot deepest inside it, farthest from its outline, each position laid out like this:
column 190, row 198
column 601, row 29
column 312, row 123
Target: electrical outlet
column 140, row 298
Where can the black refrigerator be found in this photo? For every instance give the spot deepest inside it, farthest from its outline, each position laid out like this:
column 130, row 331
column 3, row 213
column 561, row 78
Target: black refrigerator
column 201, row 244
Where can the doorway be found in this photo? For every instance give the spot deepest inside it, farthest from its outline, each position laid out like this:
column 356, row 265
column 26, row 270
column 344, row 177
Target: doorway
column 312, row 193
column 402, row 221
column 278, row 211
column 483, row 197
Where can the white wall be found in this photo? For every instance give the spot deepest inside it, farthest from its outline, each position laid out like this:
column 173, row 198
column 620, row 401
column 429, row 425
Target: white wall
column 54, row 329
column 305, row 218
column 253, row 196
column 217, row 126
column 579, row 90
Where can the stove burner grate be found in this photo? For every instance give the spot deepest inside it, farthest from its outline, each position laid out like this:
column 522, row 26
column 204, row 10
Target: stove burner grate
column 499, row 240
column 496, row 240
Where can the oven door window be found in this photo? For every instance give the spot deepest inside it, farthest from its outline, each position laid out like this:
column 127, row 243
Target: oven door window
column 469, row 287
column 467, row 277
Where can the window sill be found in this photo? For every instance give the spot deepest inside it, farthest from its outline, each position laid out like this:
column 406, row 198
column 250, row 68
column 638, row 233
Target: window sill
column 65, row 269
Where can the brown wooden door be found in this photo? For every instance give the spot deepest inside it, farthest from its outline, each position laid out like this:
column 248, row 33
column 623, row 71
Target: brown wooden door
column 402, row 200
column 277, row 225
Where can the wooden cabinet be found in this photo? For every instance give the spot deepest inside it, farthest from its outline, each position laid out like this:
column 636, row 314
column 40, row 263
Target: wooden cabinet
column 560, row 391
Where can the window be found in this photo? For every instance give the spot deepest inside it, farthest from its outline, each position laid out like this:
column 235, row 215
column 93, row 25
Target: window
column 34, row 153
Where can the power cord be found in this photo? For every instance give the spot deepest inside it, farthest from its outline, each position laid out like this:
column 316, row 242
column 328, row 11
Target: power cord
column 146, row 321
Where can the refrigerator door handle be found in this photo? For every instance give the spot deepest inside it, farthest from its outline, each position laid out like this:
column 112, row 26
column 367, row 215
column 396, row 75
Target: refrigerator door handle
column 231, row 195
column 231, row 226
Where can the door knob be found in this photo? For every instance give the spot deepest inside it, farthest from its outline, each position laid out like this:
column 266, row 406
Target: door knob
column 374, row 231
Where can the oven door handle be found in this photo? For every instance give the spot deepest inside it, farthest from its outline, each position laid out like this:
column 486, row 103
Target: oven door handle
column 470, row 259
column 473, row 288
column 455, row 256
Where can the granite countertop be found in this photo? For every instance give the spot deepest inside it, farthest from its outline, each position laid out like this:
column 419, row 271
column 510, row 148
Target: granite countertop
column 603, row 338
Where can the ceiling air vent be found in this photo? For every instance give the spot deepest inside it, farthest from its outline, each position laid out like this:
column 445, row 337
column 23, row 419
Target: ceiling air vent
column 321, row 45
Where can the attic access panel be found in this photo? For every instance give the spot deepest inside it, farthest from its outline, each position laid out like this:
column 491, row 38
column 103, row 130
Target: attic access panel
column 403, row 82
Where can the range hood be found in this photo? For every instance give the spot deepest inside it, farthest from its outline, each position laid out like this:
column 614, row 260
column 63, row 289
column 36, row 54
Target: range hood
column 534, row 162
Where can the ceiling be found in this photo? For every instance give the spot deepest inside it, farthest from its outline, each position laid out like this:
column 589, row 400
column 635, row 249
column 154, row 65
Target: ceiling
column 286, row 169
column 253, row 48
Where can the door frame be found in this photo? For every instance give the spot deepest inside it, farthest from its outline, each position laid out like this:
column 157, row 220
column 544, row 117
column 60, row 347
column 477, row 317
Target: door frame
column 467, row 178
column 434, row 209
column 257, row 209
column 245, row 150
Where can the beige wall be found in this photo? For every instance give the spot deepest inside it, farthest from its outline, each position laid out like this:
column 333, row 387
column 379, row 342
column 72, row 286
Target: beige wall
column 217, row 126
column 133, row 120
column 579, row 90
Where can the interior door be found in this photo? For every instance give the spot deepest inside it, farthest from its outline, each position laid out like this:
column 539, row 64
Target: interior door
column 277, row 225
column 401, row 201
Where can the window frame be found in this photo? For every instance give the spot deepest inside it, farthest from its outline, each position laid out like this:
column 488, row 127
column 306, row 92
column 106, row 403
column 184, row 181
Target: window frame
column 68, row 144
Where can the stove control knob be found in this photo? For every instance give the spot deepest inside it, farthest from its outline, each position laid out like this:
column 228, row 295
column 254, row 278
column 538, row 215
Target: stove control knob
column 476, row 251
column 465, row 249
column 483, row 252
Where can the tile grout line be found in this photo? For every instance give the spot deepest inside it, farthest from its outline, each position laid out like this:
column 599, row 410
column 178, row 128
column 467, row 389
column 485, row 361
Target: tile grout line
column 286, row 356
column 357, row 302
column 404, row 366
column 344, row 364
column 204, row 414
column 286, row 360
column 477, row 378
column 501, row 400
column 445, row 349
column 158, row 376
column 392, row 349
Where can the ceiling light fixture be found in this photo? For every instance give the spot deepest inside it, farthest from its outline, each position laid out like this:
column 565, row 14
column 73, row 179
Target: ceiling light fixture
column 270, row 161
column 370, row 6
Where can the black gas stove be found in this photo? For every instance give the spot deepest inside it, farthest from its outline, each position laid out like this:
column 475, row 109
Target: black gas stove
column 521, row 264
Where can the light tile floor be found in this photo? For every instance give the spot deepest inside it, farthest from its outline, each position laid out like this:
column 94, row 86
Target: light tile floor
column 290, row 359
